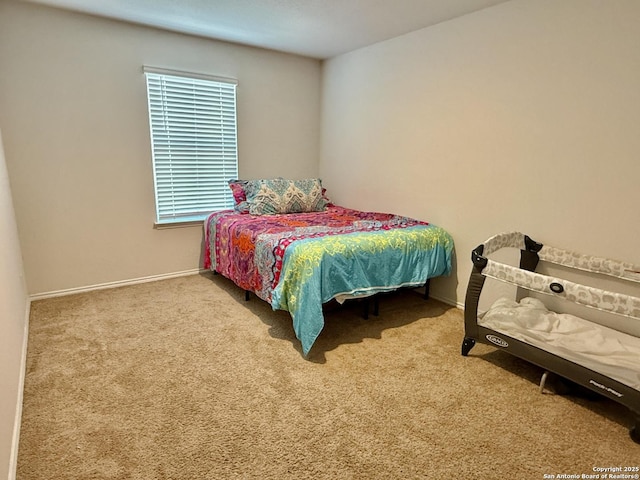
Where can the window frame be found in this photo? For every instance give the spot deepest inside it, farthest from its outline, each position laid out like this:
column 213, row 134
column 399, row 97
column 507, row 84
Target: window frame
column 190, row 176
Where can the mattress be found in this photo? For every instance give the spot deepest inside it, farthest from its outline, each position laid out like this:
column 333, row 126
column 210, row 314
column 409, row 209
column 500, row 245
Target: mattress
column 593, row 346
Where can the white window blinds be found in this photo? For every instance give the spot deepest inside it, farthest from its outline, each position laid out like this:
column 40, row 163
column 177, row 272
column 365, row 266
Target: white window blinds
column 194, row 143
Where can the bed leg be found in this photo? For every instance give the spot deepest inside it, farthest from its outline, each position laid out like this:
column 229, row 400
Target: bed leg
column 467, row 345
column 427, row 284
column 246, row 295
column 215, row 272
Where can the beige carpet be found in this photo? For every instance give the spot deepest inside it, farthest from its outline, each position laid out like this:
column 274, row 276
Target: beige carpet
column 183, row 379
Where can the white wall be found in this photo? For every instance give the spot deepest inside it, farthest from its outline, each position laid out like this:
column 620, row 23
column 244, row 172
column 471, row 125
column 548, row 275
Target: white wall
column 14, row 309
column 523, row 116
column 74, row 115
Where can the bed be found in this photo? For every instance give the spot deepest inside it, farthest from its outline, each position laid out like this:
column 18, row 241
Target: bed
column 299, row 260
column 589, row 353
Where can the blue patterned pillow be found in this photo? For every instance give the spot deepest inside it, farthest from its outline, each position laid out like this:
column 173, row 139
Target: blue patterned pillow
column 279, row 195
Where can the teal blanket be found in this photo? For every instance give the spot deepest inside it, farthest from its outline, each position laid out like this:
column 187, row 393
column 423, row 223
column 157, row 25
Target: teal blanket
column 316, row 270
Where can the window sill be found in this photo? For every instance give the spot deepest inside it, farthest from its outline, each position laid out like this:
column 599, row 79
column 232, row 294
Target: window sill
column 178, row 224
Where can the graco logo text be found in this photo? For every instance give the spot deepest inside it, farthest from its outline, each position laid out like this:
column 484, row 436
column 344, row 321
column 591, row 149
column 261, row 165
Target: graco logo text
column 497, row 341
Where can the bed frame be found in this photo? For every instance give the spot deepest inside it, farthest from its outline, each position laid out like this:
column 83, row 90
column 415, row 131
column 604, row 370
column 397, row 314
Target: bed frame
column 366, row 302
column 524, row 276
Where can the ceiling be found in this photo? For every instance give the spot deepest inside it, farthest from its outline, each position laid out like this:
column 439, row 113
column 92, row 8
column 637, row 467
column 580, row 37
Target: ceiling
column 313, row 28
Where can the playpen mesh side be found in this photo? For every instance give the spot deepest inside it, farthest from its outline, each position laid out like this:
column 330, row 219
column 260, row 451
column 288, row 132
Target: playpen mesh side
column 616, row 303
column 567, row 258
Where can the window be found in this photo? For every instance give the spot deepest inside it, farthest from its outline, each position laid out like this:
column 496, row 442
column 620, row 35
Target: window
column 192, row 120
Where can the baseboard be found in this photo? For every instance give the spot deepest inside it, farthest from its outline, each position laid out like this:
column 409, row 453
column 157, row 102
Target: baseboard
column 443, row 299
column 165, row 276
column 448, row 301
column 13, row 460
column 119, row 283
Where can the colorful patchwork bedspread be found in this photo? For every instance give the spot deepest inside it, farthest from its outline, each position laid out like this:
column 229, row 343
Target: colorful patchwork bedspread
column 297, row 262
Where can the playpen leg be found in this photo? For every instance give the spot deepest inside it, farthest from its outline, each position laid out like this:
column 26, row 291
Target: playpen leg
column 467, row 345
column 634, row 433
column 543, row 380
